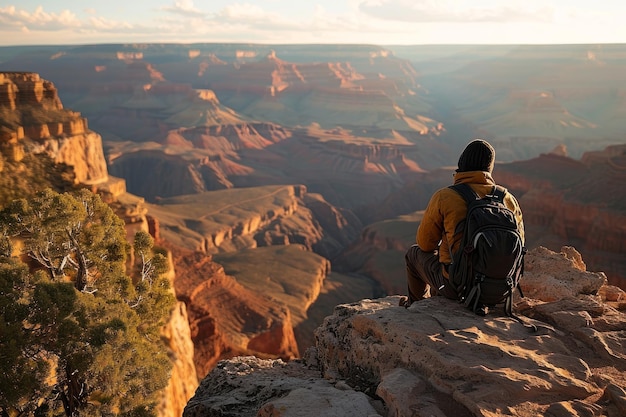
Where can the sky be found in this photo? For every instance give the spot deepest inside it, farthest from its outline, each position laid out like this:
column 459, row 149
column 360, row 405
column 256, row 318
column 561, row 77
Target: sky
column 379, row 22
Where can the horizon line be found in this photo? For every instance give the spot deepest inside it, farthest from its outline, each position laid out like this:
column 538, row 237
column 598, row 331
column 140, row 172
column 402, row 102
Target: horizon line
column 312, row 44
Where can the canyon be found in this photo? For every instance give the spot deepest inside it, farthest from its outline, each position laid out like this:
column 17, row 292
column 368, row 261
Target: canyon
column 286, row 181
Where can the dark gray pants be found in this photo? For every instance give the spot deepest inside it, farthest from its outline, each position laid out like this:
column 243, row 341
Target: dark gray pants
column 424, row 272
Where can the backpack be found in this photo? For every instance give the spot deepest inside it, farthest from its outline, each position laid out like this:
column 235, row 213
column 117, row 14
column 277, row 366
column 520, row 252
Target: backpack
column 489, row 263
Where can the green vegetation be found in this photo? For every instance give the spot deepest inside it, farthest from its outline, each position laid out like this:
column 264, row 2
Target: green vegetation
column 80, row 337
column 34, row 173
column 35, row 116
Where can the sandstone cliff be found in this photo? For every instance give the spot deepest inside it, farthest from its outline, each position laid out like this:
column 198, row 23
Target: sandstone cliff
column 34, row 120
column 264, row 301
column 437, row 358
column 183, row 380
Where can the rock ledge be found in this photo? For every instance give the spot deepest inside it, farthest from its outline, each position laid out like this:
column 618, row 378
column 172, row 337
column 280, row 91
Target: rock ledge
column 438, row 359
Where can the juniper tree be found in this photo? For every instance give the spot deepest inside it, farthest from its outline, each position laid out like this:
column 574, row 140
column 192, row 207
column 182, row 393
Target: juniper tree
column 74, row 339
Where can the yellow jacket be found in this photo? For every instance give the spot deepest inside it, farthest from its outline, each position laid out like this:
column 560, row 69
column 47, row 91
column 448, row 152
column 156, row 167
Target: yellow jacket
column 447, row 208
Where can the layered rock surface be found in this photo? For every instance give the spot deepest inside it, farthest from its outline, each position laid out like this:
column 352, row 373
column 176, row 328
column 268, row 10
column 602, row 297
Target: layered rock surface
column 269, row 281
column 34, row 120
column 438, row 358
column 226, row 318
column 138, row 95
column 235, row 219
column 183, row 380
column 264, row 301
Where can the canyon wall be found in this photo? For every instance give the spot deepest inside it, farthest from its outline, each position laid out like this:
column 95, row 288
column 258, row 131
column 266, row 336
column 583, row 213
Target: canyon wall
column 227, row 319
column 35, row 121
column 239, row 218
column 183, row 380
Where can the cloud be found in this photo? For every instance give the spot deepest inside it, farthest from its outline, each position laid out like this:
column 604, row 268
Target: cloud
column 12, row 19
column 101, row 24
column 37, row 20
column 247, row 13
column 457, row 11
column 184, row 8
column 363, row 21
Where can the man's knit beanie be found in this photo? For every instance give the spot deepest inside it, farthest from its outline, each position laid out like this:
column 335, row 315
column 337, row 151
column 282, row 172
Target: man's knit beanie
column 478, row 155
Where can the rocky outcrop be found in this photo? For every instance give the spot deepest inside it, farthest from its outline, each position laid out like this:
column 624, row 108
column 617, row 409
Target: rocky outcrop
column 83, row 152
column 261, row 387
column 438, row 358
column 34, row 120
column 27, row 89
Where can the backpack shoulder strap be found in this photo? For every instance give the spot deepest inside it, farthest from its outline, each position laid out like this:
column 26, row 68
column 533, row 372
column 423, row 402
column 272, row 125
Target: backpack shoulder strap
column 499, row 192
column 465, row 191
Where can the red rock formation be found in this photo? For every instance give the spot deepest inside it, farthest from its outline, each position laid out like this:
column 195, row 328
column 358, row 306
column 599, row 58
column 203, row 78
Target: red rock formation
column 27, row 89
column 228, row 138
column 272, row 76
column 39, row 122
column 225, row 318
column 241, row 218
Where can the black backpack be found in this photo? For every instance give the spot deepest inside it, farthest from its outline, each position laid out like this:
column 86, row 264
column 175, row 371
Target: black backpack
column 487, row 267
